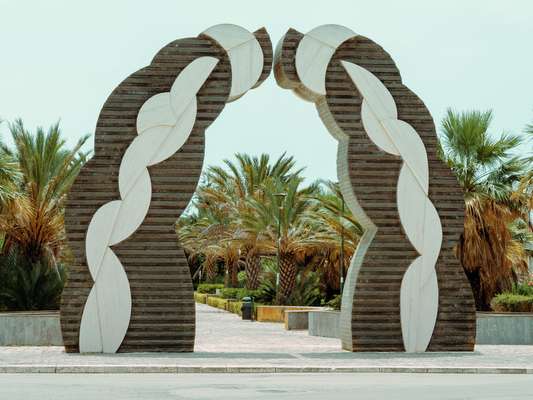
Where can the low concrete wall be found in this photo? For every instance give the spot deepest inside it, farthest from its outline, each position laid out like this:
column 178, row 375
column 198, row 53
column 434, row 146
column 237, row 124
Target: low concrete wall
column 492, row 328
column 40, row 328
column 277, row 313
column 324, row 323
column 296, row 319
column 504, row 328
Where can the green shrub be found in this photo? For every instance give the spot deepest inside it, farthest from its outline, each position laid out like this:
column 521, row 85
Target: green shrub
column 26, row 286
column 217, row 302
column 200, row 297
column 234, row 307
column 335, row 302
column 209, row 288
column 306, row 291
column 510, row 302
column 238, row 293
column 524, row 289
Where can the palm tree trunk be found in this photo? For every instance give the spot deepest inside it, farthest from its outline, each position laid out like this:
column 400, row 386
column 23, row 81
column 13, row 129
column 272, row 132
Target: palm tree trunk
column 232, row 269
column 287, row 278
column 253, row 269
column 210, row 270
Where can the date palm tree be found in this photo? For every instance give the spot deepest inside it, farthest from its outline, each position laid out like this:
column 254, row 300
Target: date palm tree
column 9, row 177
column 34, row 222
column 487, row 171
column 331, row 220
column 261, row 221
column 220, row 201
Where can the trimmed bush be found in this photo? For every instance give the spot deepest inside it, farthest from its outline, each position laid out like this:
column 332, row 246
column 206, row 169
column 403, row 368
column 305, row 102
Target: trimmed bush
column 216, row 302
column 200, row 297
column 209, row 288
column 234, row 307
column 509, row 302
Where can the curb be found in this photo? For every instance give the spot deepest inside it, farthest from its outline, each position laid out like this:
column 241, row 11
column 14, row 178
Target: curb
column 184, row 369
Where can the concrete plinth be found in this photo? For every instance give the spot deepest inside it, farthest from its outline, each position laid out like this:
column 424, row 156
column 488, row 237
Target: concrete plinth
column 40, row 328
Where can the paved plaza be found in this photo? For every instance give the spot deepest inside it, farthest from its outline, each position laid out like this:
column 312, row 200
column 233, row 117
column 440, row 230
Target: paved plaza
column 225, row 343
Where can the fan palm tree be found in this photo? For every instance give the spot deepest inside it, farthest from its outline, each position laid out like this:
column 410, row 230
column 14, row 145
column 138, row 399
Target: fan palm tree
column 34, row 222
column 487, row 171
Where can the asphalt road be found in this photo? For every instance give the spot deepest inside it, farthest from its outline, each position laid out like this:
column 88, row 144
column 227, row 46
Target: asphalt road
column 264, row 386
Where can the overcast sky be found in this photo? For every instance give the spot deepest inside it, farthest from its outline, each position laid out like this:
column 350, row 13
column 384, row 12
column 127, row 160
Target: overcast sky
column 61, row 59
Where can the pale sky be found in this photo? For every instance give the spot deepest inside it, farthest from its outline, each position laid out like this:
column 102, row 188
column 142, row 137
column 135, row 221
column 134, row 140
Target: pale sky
column 60, row 59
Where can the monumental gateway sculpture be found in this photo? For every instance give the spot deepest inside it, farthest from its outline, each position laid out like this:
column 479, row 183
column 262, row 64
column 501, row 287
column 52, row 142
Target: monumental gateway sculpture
column 130, row 289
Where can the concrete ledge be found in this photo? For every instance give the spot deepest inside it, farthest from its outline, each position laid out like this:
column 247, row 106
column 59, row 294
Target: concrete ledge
column 38, row 328
column 185, row 369
column 504, row 328
column 296, row 319
column 324, row 323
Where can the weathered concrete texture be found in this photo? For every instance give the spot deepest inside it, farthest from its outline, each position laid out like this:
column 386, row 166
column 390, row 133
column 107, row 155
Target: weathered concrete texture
column 296, row 319
column 324, row 323
column 512, row 328
column 30, row 329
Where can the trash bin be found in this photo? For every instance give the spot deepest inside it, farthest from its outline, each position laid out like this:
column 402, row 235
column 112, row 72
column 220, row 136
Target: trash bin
column 247, row 308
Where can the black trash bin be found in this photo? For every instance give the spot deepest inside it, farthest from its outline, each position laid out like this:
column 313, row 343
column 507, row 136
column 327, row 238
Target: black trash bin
column 247, row 308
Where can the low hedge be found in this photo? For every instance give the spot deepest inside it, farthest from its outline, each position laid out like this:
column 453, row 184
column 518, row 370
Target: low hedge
column 225, row 304
column 200, row 297
column 510, row 302
column 209, row 288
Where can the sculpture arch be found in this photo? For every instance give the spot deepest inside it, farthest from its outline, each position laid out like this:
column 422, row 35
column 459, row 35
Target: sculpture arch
column 405, row 289
column 120, row 216
column 130, row 288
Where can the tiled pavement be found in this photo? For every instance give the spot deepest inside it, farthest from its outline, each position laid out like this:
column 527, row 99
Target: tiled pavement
column 225, row 343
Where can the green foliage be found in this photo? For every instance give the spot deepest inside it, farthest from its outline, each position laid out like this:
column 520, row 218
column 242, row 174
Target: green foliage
column 209, row 288
column 234, row 307
column 241, row 277
column 200, row 297
column 217, row 302
column 238, row 293
column 484, row 165
column 305, row 293
column 335, row 302
column 510, row 302
column 523, row 289
column 26, row 285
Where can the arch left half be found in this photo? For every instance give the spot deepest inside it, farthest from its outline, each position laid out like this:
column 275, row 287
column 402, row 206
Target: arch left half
column 129, row 288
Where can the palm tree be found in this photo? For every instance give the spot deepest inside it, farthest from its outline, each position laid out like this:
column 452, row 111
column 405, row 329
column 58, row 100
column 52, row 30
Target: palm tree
column 295, row 242
column 34, row 222
column 220, row 201
column 487, row 171
column 330, row 219
column 9, row 176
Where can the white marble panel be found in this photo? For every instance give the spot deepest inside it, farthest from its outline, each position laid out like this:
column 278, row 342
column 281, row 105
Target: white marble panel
column 90, row 334
column 245, row 55
column 98, row 234
column 114, row 302
column 154, row 112
column 419, row 302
